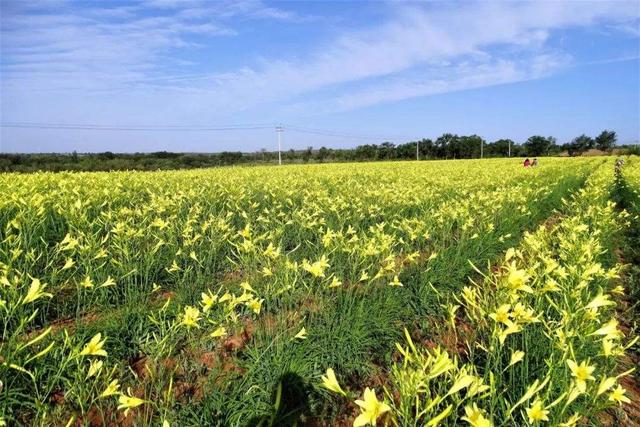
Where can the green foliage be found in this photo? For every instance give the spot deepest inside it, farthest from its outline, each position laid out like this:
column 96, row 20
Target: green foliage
column 221, row 298
column 538, row 145
column 580, row 144
column 606, row 140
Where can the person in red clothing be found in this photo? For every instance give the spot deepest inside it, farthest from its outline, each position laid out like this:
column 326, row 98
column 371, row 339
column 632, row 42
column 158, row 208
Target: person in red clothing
column 527, row 163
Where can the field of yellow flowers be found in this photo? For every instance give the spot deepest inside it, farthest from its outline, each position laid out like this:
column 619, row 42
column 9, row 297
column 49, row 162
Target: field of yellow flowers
column 433, row 293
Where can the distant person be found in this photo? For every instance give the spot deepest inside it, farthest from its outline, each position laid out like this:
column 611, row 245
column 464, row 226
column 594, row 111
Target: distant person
column 619, row 164
column 534, row 163
column 527, row 163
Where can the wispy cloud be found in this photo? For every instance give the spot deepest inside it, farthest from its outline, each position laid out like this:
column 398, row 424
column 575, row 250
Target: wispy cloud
column 434, row 80
column 453, row 48
column 128, row 51
column 54, row 45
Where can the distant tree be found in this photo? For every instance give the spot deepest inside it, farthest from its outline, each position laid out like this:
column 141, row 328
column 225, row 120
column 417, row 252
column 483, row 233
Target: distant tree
column 500, row 148
column 307, row 154
column 366, row 152
column 386, row 151
column 323, row 153
column 580, row 144
column 406, row 151
column 446, row 146
column 165, row 155
column 538, row 145
column 606, row 140
column 290, row 154
column 468, row 147
column 229, row 158
column 427, row 148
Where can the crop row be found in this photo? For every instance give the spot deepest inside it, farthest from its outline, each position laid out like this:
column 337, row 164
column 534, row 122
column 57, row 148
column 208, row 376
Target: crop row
column 102, row 270
column 541, row 342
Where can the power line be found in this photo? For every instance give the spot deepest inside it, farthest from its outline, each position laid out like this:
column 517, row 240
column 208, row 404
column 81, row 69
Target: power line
column 201, row 128
column 345, row 135
column 189, row 128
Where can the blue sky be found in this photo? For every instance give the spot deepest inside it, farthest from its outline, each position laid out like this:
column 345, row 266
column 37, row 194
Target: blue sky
column 360, row 71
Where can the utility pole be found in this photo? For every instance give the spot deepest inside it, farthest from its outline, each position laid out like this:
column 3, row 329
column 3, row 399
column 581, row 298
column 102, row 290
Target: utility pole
column 481, row 147
column 418, row 150
column 279, row 130
column 509, row 155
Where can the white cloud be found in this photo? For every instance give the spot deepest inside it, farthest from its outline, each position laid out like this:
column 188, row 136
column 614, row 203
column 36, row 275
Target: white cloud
column 117, row 63
column 50, row 46
column 439, row 40
column 464, row 76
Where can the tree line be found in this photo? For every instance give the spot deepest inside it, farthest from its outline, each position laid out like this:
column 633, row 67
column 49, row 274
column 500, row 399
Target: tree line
column 447, row 146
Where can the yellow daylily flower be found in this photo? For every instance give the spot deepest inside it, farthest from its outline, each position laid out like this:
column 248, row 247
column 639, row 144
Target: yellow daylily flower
column 371, row 408
column 412, row 256
column 94, row 368
column 475, row 416
column 609, row 330
column 127, row 402
column 174, row 267
column 463, row 380
column 517, row 279
column 302, row 335
column 68, row 264
column 159, row 223
column 536, row 412
column 255, row 305
column 511, row 328
column 441, row 363
column 246, row 296
column 396, row 281
column 330, row 382
column 572, row 421
column 523, row 314
column 87, row 283
column 501, row 315
column 111, row 389
column 618, row 290
column 607, row 347
column 618, row 395
column 190, row 317
column 94, row 346
column 335, row 283
column 516, row 357
column 531, row 391
column 605, row 384
column 226, row 297
column 36, row 291
column 601, row 300
column 477, row 387
column 108, row 282
column 247, row 287
column 208, row 299
column 316, row 269
column 551, row 286
column 581, row 372
column 433, row 422
column 220, row 332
